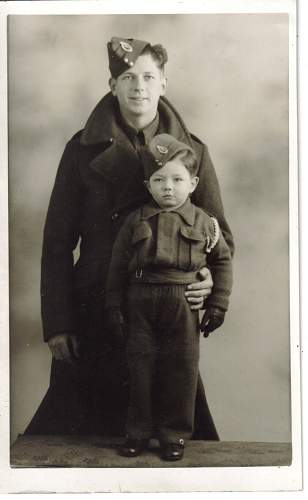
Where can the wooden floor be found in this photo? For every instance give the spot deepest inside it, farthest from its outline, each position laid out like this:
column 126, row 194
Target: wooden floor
column 95, row 451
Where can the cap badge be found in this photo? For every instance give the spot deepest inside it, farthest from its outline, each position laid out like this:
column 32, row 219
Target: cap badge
column 162, row 149
column 126, row 47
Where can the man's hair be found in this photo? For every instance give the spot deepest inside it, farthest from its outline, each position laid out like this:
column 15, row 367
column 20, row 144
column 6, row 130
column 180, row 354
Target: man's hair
column 189, row 160
column 159, row 54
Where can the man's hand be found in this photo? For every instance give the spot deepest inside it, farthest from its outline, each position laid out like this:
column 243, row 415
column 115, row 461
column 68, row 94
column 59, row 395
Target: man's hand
column 64, row 347
column 197, row 292
column 213, row 318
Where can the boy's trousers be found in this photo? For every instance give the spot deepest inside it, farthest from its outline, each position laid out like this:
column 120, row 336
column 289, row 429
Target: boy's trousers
column 162, row 345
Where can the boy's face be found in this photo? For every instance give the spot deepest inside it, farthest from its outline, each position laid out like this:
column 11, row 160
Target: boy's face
column 171, row 185
column 139, row 88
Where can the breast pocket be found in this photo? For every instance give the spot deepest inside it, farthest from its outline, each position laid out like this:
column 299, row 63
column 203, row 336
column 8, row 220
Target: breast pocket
column 192, row 248
column 141, row 242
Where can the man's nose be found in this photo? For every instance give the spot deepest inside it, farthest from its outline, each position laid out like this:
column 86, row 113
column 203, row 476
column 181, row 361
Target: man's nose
column 139, row 83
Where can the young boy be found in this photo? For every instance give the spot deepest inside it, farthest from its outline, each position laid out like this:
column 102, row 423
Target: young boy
column 158, row 251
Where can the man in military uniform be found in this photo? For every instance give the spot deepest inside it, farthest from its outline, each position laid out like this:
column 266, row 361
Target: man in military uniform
column 98, row 183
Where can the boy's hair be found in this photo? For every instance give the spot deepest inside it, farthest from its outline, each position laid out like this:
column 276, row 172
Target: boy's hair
column 189, row 160
column 159, row 54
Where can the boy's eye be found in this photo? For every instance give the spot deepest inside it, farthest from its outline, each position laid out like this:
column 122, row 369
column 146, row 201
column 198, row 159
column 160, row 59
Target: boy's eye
column 148, row 77
column 178, row 179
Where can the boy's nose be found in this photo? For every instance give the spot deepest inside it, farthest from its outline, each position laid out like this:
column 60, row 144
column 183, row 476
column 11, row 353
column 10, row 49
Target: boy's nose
column 168, row 186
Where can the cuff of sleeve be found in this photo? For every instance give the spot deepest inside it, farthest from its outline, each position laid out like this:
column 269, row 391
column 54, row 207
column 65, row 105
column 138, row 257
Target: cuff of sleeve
column 216, row 301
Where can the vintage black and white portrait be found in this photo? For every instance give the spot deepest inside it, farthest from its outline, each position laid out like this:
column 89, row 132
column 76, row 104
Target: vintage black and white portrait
column 153, row 311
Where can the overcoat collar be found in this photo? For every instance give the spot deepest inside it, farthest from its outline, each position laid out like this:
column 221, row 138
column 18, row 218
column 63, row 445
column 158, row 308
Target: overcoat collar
column 186, row 211
column 102, row 124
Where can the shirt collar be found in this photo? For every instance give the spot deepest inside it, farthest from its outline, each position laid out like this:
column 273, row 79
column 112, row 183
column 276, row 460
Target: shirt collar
column 186, row 211
column 149, row 131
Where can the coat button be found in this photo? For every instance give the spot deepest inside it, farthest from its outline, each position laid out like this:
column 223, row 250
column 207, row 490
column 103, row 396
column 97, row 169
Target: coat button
column 114, row 216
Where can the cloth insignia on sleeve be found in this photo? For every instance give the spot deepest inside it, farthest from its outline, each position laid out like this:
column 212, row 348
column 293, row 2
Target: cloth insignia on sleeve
column 211, row 242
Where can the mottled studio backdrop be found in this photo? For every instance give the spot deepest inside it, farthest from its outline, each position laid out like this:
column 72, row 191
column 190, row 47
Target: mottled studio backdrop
column 228, row 77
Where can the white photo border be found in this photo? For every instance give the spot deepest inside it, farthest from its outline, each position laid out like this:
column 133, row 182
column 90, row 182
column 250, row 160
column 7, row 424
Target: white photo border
column 286, row 478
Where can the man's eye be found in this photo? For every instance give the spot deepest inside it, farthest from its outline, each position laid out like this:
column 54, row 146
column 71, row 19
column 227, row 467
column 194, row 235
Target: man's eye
column 149, row 77
column 156, row 180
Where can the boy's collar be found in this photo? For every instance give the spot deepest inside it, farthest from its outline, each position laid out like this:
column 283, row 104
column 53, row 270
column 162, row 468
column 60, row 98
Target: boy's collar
column 186, row 211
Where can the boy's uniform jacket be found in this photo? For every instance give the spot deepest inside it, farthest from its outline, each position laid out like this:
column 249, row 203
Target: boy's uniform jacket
column 169, row 247
column 98, row 183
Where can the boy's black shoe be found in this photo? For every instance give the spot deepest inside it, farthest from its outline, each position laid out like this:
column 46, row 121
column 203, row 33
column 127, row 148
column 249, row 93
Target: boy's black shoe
column 133, row 447
column 172, row 451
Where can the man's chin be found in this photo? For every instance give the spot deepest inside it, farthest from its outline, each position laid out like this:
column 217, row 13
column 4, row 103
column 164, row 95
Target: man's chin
column 142, row 107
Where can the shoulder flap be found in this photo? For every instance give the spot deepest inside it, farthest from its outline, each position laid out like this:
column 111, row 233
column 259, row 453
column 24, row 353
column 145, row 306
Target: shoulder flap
column 141, row 231
column 192, row 234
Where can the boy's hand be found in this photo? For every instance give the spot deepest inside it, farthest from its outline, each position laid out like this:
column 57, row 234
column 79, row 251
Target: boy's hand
column 213, row 318
column 196, row 293
column 116, row 326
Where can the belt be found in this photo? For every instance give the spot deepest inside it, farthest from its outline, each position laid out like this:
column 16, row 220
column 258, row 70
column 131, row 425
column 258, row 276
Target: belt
column 164, row 276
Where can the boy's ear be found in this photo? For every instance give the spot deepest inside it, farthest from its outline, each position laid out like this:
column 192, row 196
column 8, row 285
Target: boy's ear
column 147, row 185
column 194, row 183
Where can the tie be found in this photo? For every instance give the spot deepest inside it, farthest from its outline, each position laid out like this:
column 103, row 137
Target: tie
column 140, row 139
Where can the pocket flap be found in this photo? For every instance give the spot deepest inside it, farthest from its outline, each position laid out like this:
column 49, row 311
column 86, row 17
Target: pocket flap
column 141, row 232
column 192, row 234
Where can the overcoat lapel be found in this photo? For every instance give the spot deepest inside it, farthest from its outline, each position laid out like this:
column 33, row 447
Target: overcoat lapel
column 118, row 161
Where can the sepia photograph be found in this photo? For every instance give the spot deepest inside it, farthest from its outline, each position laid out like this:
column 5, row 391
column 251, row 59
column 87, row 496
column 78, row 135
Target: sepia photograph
column 153, row 324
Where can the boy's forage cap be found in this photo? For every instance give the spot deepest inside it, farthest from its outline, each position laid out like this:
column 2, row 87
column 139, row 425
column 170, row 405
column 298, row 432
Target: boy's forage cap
column 123, row 53
column 161, row 149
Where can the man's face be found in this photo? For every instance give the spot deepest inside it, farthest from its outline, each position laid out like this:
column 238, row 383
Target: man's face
column 171, row 185
column 139, row 88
